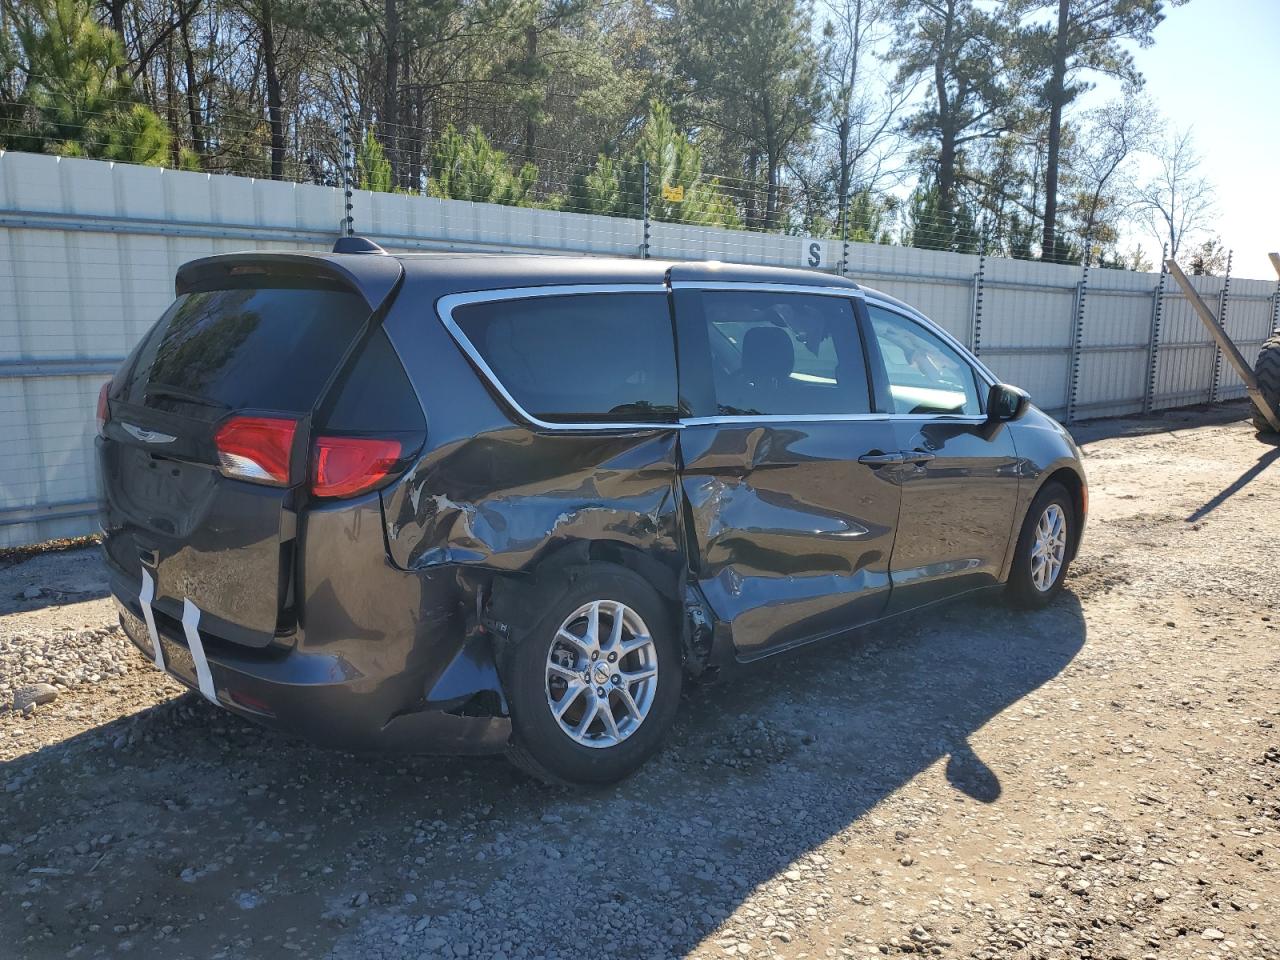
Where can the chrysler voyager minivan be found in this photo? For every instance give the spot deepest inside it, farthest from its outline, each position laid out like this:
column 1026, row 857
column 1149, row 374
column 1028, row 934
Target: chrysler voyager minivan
column 469, row 504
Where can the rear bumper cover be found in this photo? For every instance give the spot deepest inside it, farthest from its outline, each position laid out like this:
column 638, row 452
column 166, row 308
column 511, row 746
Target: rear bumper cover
column 323, row 695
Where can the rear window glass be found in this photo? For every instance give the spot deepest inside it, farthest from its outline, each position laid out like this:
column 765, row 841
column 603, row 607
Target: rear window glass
column 266, row 348
column 585, row 357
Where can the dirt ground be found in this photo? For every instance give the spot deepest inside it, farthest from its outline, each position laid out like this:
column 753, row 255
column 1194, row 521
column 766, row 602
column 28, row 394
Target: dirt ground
column 1100, row 779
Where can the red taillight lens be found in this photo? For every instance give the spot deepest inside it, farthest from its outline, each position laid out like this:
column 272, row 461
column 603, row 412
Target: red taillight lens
column 345, row 466
column 256, row 448
column 104, row 412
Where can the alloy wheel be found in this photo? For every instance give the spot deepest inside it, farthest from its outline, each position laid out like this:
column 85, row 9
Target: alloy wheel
column 1049, row 548
column 602, row 673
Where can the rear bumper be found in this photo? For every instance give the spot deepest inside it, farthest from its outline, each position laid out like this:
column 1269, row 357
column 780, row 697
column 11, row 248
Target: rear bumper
column 331, row 696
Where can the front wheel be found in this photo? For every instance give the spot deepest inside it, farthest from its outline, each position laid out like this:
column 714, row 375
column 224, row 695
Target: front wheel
column 1043, row 553
column 595, row 684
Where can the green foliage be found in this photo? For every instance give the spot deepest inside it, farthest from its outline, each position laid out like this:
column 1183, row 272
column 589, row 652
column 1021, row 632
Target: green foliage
column 751, row 74
column 77, row 102
column 870, row 217
column 373, row 170
column 468, row 167
column 930, row 227
column 614, row 187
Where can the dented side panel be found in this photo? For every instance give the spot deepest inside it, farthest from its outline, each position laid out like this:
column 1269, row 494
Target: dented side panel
column 509, row 498
column 492, row 495
column 792, row 535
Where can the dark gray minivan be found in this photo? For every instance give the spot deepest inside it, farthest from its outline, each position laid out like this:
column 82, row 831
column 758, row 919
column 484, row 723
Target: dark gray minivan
column 470, row 504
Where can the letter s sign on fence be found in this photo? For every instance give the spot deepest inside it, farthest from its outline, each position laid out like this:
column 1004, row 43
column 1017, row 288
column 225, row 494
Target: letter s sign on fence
column 813, row 253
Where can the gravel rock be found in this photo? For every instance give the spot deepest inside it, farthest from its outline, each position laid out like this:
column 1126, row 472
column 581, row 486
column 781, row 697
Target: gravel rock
column 969, row 783
column 36, row 693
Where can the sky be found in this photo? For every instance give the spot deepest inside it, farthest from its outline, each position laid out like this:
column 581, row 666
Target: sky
column 1215, row 66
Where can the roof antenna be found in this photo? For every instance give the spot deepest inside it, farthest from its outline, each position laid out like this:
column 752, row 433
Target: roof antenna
column 356, row 245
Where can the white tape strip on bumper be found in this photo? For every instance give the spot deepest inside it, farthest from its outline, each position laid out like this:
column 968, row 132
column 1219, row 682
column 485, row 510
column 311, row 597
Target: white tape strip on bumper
column 145, row 596
column 190, row 621
column 190, row 624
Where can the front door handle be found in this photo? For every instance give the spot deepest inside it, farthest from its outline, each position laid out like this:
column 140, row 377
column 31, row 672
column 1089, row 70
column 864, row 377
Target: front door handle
column 882, row 459
column 917, row 456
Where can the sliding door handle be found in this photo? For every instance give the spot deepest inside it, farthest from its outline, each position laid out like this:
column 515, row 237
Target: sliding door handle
column 882, row 459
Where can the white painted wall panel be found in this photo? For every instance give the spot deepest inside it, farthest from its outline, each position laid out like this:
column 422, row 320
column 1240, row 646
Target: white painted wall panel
column 91, row 265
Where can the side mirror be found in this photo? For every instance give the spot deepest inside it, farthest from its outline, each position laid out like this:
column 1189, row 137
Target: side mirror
column 1006, row 402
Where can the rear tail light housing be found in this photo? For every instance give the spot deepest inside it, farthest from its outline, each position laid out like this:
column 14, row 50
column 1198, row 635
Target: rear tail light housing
column 347, row 466
column 257, row 449
column 104, row 410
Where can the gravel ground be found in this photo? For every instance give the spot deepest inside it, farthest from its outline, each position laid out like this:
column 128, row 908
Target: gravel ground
column 1100, row 779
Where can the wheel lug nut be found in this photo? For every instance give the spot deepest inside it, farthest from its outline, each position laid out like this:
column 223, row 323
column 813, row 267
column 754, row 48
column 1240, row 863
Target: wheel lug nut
column 616, row 679
column 599, row 691
column 595, row 655
column 613, row 657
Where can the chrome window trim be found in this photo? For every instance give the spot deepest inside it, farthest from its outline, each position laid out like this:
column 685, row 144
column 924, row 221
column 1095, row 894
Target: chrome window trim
column 783, row 418
column 752, row 286
column 450, row 302
column 447, row 304
column 746, row 418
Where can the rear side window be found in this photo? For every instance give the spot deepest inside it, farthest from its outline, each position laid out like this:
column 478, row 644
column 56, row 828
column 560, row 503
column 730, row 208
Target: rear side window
column 264, row 348
column 595, row 357
column 784, row 354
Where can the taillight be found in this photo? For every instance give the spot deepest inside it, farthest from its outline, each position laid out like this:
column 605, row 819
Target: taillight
column 256, row 448
column 345, row 466
column 104, row 412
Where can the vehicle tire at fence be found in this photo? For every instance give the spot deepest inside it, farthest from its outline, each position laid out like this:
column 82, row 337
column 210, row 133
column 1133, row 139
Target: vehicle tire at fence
column 1043, row 553
column 1267, row 370
column 594, row 685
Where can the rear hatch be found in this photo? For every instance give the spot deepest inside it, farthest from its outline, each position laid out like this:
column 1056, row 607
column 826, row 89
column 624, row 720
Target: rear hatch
column 209, row 435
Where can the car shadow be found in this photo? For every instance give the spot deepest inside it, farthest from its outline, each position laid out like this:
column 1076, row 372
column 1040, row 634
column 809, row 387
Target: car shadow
column 184, row 830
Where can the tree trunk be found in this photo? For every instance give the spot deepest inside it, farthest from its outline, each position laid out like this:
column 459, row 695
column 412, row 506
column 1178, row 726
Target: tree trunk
column 1057, row 94
column 947, row 134
column 530, row 120
column 171, row 113
column 193, row 96
column 391, row 88
column 771, row 195
column 275, row 105
column 117, row 17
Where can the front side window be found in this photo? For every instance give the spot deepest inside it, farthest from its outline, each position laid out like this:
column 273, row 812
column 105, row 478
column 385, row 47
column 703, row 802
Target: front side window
column 593, row 357
column 784, row 354
column 925, row 374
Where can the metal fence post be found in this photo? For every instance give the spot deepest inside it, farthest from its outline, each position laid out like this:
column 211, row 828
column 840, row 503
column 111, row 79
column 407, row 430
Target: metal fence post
column 348, row 175
column 644, row 191
column 1223, row 296
column 1077, row 340
column 979, row 280
column 1153, row 350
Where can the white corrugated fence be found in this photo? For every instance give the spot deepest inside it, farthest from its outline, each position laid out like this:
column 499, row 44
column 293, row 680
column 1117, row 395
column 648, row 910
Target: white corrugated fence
column 88, row 251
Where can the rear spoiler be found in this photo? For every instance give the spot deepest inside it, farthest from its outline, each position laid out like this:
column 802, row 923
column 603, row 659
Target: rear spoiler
column 373, row 278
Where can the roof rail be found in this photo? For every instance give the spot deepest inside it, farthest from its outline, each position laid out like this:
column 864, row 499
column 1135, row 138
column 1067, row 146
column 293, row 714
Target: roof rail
column 356, row 245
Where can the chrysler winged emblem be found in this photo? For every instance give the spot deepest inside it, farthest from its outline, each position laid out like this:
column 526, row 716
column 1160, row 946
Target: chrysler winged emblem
column 148, row 436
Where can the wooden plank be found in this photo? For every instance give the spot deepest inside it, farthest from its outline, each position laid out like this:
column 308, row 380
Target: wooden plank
column 1229, row 349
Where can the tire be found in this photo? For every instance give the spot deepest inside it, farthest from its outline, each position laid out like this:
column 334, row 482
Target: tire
column 540, row 744
column 1023, row 590
column 1267, row 370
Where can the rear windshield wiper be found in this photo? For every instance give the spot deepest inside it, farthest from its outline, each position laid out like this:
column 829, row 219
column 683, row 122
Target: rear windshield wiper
column 186, row 396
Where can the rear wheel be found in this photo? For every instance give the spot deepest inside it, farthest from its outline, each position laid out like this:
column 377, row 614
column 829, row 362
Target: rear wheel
column 1267, row 370
column 595, row 684
column 1043, row 553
